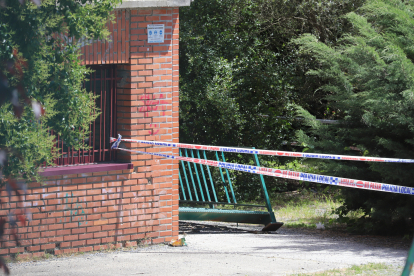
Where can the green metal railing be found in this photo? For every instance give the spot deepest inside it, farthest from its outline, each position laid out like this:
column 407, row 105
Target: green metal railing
column 409, row 262
column 212, row 187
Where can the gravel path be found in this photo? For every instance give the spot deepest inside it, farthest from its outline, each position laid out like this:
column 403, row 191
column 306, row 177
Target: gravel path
column 225, row 249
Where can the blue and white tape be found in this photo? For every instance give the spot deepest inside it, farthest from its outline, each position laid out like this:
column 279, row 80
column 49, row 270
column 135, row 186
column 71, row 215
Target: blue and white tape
column 269, row 152
column 310, row 177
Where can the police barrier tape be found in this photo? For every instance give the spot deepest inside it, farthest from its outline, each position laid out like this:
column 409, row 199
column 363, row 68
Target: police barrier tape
column 310, row 177
column 268, row 152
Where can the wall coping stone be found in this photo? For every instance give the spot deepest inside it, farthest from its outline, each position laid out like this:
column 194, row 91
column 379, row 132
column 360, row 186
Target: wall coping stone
column 87, row 168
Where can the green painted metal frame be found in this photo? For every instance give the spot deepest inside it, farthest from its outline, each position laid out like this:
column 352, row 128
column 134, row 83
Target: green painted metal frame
column 409, row 262
column 195, row 194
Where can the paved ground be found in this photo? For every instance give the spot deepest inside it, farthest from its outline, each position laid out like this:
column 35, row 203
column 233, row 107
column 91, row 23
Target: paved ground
column 217, row 249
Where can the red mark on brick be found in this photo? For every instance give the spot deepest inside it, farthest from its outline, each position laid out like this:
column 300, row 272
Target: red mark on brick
column 152, row 104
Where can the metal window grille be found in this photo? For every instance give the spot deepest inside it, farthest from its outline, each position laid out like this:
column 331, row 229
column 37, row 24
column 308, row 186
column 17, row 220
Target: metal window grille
column 101, row 82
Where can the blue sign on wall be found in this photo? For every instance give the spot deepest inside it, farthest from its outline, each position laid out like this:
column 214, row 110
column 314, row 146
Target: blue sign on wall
column 155, row 33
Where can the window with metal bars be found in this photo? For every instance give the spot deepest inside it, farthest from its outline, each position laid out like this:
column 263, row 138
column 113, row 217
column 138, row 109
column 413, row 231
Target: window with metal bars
column 101, row 82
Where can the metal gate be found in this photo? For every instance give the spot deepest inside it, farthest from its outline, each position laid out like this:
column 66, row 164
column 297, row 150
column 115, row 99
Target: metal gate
column 102, row 83
column 198, row 187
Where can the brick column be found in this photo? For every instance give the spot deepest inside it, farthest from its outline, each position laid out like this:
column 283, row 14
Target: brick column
column 148, row 110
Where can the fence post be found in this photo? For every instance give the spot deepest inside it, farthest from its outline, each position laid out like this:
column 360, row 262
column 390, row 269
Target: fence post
column 266, row 195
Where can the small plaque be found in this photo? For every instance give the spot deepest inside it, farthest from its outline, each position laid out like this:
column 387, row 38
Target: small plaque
column 155, row 33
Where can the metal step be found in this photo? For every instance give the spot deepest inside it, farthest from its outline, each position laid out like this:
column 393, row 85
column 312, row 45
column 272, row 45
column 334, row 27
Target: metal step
column 240, row 216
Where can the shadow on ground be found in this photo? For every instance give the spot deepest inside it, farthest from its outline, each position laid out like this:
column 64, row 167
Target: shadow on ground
column 197, row 228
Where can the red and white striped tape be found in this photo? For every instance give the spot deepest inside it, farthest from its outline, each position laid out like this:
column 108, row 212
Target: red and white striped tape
column 310, row 177
column 269, row 152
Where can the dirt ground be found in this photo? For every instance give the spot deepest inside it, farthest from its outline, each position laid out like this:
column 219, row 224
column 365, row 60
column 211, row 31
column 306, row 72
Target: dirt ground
column 230, row 249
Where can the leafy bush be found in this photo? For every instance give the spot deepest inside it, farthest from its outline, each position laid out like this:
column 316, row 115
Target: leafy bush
column 369, row 82
column 240, row 76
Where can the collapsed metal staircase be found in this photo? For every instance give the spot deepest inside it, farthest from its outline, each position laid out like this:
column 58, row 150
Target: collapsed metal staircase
column 208, row 197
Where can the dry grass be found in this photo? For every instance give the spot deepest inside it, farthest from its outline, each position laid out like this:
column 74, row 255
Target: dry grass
column 369, row 269
column 307, row 209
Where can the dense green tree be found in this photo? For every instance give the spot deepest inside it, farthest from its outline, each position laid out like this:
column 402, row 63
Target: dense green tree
column 41, row 77
column 369, row 82
column 240, row 75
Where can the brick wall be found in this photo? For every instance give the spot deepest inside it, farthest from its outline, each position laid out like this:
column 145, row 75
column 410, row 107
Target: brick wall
column 115, row 50
column 148, row 102
column 91, row 211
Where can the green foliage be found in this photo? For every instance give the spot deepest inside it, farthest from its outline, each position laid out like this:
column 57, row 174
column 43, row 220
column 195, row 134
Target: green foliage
column 369, row 82
column 39, row 54
column 307, row 208
column 369, row 269
column 240, row 76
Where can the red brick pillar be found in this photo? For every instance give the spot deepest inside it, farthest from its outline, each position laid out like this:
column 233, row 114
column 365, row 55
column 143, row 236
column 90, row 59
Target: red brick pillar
column 148, row 97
